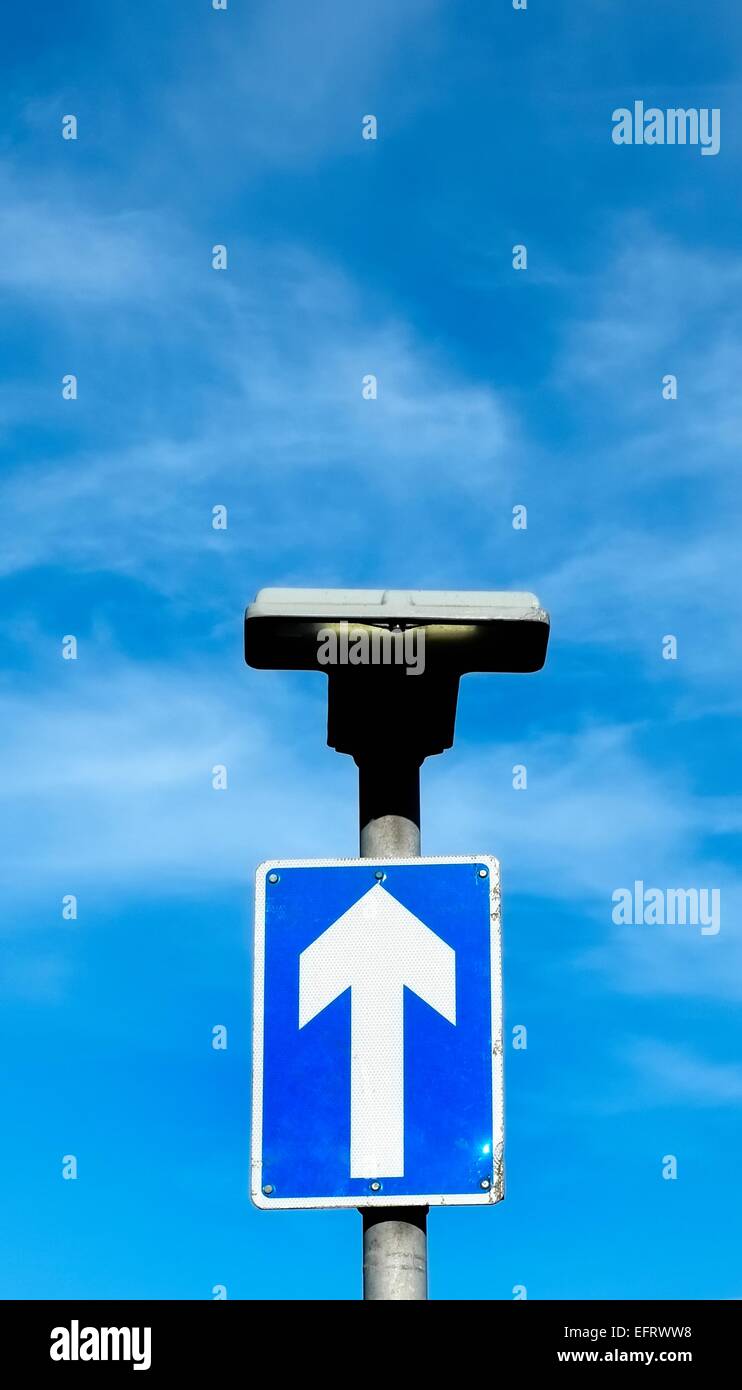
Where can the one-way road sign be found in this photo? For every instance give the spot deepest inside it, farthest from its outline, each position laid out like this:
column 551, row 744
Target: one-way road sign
column 377, row 1033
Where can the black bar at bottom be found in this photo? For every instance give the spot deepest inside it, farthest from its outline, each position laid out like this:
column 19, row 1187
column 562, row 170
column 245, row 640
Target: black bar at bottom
column 208, row 1337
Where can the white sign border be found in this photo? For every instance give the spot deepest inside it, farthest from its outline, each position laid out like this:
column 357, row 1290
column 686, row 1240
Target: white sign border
column 496, row 1191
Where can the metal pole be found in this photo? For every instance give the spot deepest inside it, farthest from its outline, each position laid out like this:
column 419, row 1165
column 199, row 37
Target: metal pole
column 395, row 1243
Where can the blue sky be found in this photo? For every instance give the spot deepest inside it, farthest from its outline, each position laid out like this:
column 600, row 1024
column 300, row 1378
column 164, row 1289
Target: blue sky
column 243, row 388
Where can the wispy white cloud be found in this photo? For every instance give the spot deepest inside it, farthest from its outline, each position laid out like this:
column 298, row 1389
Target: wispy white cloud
column 667, row 1074
column 651, row 502
column 597, row 816
column 275, row 360
column 57, row 247
column 649, row 301
column 108, row 782
column 277, row 429
column 289, row 86
column 109, row 778
column 593, row 811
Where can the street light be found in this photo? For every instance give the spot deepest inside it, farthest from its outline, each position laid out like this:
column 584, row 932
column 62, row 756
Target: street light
column 389, row 713
column 368, row 700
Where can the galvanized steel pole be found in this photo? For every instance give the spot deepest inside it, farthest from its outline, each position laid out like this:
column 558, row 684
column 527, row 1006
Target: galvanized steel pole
column 395, row 1242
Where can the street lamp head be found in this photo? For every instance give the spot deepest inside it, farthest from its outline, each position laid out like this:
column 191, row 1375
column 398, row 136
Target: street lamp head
column 394, row 657
column 285, row 629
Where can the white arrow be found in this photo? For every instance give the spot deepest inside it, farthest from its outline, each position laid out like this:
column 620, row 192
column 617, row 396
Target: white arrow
column 376, row 949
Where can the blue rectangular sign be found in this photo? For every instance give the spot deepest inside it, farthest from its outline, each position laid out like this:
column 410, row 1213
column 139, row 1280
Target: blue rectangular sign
column 377, row 1045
